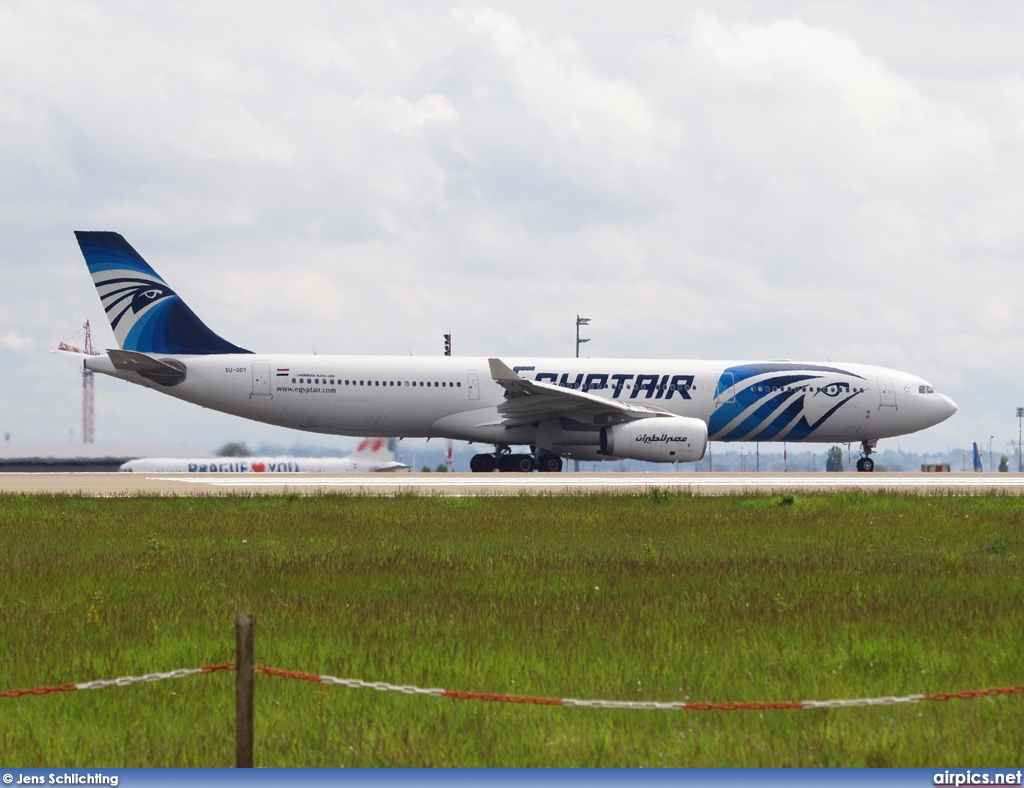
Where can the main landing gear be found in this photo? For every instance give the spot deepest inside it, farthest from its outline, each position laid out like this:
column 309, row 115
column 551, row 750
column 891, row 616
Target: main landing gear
column 865, row 464
column 506, row 462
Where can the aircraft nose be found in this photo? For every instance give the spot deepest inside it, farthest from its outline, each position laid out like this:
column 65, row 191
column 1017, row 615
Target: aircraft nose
column 947, row 407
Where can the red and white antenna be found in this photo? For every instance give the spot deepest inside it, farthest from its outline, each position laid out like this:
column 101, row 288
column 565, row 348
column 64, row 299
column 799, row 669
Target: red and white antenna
column 87, row 391
column 87, row 383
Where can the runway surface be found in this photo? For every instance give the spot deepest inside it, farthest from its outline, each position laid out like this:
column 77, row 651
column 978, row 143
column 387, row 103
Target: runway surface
column 472, row 484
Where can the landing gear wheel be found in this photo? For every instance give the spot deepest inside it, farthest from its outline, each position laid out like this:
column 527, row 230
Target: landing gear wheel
column 549, row 463
column 482, row 463
column 515, row 463
column 522, row 463
column 865, row 464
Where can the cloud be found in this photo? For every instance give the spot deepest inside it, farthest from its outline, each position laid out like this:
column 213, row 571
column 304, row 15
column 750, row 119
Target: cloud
column 406, row 117
column 362, row 179
column 584, row 126
column 12, row 340
column 553, row 78
column 894, row 119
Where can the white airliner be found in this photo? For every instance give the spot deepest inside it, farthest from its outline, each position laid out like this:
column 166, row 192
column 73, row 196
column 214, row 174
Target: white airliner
column 656, row 410
column 372, row 455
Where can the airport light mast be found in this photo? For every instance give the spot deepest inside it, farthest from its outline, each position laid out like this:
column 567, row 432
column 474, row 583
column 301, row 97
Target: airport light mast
column 1020, row 415
column 580, row 321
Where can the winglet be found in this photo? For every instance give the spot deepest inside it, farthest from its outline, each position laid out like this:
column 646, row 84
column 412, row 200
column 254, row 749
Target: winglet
column 514, row 385
column 500, row 371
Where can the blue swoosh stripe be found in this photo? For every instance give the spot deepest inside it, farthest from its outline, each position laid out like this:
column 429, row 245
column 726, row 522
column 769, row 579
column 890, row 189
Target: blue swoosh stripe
column 783, row 420
column 756, row 419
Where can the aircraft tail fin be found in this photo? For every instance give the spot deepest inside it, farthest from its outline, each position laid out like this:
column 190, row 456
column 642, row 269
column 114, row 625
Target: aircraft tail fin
column 379, row 449
column 979, row 466
column 146, row 315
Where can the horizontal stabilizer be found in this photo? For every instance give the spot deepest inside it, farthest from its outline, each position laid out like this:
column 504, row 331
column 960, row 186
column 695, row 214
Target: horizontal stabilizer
column 165, row 371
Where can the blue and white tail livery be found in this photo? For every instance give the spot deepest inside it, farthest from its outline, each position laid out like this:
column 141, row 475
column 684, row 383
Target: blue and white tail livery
column 659, row 410
column 147, row 316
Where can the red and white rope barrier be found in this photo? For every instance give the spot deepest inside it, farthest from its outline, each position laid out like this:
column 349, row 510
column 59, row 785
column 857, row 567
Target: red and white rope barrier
column 637, row 705
column 123, row 681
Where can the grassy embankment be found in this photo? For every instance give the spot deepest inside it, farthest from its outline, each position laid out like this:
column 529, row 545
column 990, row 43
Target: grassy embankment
column 662, row 598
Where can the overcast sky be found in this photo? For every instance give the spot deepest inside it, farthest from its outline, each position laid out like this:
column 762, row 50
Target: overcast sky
column 730, row 180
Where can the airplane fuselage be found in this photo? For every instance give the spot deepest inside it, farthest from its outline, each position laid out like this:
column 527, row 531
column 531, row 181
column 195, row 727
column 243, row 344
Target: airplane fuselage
column 457, row 397
column 643, row 409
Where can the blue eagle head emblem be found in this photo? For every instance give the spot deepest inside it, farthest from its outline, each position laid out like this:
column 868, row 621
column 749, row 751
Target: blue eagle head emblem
column 835, row 389
column 140, row 294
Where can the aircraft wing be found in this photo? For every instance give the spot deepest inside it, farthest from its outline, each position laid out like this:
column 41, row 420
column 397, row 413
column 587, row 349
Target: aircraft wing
column 528, row 401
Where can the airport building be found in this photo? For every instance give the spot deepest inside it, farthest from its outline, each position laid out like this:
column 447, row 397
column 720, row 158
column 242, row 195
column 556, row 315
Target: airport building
column 85, row 457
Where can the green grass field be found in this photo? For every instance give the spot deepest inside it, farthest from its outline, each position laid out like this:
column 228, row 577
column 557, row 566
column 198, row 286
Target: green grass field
column 654, row 597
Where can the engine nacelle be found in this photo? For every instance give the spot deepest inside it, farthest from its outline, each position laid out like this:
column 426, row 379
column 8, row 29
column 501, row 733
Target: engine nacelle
column 668, row 439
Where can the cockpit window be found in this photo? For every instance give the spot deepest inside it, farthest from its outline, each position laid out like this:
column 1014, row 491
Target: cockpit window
column 925, row 390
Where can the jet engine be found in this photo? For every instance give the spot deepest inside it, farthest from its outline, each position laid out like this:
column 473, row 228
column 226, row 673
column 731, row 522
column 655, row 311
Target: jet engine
column 668, row 439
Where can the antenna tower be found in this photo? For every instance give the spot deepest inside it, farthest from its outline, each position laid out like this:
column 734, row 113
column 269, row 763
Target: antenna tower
column 87, row 391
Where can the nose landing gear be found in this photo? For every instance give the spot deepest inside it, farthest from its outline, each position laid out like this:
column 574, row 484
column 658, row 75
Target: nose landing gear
column 865, row 464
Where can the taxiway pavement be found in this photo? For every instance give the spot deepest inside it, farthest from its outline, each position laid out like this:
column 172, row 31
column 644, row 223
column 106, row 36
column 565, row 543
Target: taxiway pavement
column 470, row 484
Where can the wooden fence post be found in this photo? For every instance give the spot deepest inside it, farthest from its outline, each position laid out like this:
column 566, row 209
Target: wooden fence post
column 244, row 626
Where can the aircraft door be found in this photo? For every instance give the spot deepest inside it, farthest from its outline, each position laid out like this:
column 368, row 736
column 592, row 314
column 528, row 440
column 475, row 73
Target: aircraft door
column 726, row 407
column 261, row 379
column 725, row 389
column 473, row 381
column 886, row 392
